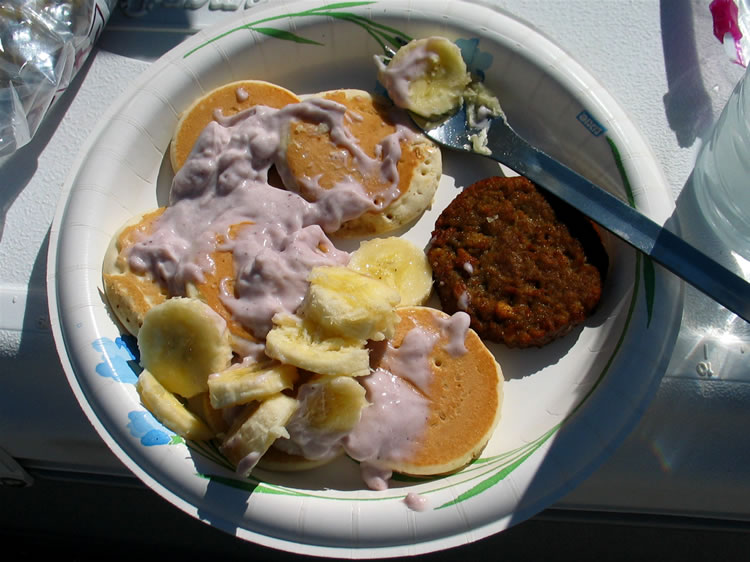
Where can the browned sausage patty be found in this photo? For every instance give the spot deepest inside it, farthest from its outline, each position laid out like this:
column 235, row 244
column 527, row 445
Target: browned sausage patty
column 525, row 266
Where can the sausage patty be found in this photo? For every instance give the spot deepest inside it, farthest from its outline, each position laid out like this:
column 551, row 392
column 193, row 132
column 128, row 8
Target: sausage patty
column 525, row 266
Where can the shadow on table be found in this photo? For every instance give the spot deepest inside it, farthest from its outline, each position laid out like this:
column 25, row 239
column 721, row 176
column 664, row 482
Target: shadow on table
column 687, row 104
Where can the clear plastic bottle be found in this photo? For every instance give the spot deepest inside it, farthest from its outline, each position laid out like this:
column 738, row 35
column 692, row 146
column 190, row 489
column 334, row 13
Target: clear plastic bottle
column 722, row 172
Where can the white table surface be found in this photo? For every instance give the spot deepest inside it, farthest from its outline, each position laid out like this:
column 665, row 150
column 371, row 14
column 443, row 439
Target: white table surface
column 689, row 455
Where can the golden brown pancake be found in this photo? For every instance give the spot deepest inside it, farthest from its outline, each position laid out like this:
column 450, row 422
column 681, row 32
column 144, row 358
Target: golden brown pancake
column 465, row 397
column 229, row 99
column 209, row 290
column 131, row 295
column 311, row 153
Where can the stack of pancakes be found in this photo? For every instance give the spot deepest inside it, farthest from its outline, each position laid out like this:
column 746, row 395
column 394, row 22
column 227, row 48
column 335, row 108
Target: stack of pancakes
column 310, row 152
column 466, row 396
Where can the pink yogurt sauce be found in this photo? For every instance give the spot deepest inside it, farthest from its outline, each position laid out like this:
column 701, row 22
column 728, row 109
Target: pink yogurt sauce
column 416, row 502
column 392, row 427
column 224, row 182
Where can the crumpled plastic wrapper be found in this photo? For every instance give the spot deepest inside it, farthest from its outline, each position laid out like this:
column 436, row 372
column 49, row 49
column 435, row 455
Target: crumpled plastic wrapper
column 43, row 44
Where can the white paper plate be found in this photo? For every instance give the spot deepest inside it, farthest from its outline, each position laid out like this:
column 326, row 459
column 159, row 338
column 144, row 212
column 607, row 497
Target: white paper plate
column 567, row 406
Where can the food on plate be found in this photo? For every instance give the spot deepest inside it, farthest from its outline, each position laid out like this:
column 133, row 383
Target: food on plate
column 341, row 311
column 243, row 384
column 427, row 76
column 399, row 263
column 200, row 405
column 398, row 168
column 257, row 331
column 130, row 295
column 330, row 408
column 228, row 100
column 346, row 303
column 525, row 270
column 253, row 432
column 182, row 341
column 244, row 246
column 166, row 408
column 296, row 342
column 436, row 396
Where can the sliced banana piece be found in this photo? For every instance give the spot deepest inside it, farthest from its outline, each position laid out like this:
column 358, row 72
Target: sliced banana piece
column 182, row 341
column 399, row 263
column 330, row 407
column 344, row 302
column 332, row 404
column 240, row 385
column 169, row 410
column 295, row 342
column 255, row 431
column 427, row 76
column 200, row 404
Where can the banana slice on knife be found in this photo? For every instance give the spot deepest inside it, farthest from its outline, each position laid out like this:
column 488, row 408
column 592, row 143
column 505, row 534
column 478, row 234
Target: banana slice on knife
column 427, row 76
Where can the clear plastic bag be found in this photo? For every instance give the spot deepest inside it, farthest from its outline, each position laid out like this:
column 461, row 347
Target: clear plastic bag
column 43, row 44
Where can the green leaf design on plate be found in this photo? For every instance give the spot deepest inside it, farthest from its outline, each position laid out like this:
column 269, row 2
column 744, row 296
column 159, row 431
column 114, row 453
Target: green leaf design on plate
column 502, row 473
column 210, row 450
column 649, row 275
column 383, row 34
column 286, row 35
column 252, row 484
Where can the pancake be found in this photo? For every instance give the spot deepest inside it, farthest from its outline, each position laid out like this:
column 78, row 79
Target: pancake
column 229, row 99
column 312, row 153
column 464, row 396
column 132, row 294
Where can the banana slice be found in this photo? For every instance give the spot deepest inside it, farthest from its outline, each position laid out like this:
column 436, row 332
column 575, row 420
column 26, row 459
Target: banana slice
column 256, row 429
column 169, row 410
column 182, row 341
column 427, row 76
column 200, row 404
column 399, row 263
column 294, row 342
column 331, row 404
column 330, row 407
column 344, row 302
column 240, row 385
